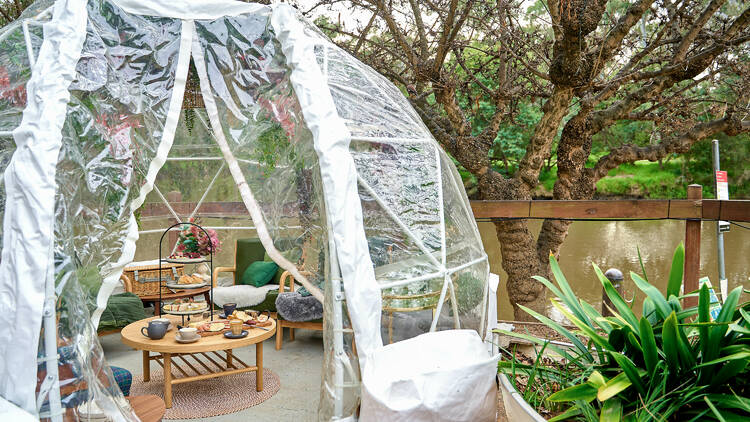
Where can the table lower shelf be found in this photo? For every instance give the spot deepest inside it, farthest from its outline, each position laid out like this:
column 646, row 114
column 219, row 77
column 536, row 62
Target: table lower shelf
column 184, row 367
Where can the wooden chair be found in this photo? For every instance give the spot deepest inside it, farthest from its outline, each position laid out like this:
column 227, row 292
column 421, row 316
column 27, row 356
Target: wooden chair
column 247, row 251
column 287, row 278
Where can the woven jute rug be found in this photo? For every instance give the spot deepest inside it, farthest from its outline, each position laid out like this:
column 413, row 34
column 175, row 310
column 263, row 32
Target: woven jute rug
column 210, row 397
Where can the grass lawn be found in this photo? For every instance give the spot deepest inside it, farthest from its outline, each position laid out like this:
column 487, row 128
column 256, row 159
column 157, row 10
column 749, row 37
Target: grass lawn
column 645, row 179
column 642, row 179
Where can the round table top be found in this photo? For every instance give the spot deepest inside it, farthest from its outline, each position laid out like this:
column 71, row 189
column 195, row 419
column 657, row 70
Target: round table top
column 132, row 336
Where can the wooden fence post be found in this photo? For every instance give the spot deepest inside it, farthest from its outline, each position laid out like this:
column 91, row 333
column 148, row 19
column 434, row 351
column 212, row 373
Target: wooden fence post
column 692, row 248
column 615, row 277
column 173, row 197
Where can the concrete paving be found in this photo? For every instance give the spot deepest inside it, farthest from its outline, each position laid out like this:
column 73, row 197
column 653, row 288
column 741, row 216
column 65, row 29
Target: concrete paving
column 298, row 365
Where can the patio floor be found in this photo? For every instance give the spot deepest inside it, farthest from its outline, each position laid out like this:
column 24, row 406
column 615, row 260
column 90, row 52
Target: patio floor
column 298, row 365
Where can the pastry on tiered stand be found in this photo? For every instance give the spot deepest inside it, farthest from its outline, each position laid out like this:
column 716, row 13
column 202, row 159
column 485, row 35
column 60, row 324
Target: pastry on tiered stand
column 185, row 306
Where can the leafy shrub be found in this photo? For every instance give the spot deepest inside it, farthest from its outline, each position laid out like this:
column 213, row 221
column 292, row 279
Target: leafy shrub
column 666, row 365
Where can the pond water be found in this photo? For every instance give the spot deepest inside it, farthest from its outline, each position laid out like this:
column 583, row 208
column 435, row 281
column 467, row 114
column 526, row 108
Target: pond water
column 612, row 244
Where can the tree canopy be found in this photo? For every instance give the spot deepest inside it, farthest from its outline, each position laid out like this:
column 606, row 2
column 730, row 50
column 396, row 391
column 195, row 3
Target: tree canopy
column 511, row 88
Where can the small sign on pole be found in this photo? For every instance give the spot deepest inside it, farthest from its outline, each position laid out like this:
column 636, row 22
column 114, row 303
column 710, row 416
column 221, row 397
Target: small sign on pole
column 722, row 192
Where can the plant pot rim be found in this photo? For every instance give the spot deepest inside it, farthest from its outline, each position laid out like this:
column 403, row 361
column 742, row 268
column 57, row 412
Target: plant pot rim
column 510, row 395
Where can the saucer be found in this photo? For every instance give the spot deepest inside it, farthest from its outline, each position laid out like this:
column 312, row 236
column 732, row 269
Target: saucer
column 229, row 334
column 179, row 339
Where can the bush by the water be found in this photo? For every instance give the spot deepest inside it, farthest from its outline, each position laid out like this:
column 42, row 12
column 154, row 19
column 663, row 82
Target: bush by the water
column 670, row 364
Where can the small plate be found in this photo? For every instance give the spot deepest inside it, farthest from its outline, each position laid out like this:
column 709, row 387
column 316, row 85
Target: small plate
column 176, row 286
column 198, row 311
column 179, row 339
column 91, row 411
column 187, row 260
column 229, row 334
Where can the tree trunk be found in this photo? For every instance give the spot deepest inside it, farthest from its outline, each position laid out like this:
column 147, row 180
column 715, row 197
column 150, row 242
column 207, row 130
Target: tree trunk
column 520, row 262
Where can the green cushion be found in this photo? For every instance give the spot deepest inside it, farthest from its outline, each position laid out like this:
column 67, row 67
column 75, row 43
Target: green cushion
column 259, row 273
column 279, row 272
column 248, row 251
column 121, row 310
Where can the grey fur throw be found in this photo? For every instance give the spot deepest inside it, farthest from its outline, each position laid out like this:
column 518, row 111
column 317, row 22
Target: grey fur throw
column 297, row 308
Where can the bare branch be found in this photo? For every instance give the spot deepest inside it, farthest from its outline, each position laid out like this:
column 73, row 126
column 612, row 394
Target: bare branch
column 678, row 144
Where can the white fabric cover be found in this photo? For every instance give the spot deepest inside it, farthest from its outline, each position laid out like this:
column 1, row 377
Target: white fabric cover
column 244, row 296
column 438, row 376
column 339, row 180
column 11, row 412
column 30, row 210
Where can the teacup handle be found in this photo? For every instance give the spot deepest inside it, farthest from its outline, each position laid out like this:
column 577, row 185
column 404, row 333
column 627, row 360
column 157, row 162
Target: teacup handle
column 145, row 333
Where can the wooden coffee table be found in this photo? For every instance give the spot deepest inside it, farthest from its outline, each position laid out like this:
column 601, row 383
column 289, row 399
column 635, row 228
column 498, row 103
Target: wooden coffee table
column 213, row 354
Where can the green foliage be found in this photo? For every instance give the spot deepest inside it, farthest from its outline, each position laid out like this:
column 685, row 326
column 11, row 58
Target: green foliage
column 670, row 364
column 12, row 9
column 545, row 380
column 734, row 152
column 269, row 148
column 645, row 179
column 513, row 137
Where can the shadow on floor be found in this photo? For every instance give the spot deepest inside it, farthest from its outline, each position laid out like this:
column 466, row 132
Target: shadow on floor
column 298, row 364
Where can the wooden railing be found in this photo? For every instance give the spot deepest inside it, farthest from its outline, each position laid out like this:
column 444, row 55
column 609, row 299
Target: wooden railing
column 692, row 210
column 646, row 209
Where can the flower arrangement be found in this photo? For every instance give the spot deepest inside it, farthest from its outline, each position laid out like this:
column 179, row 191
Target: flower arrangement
column 193, row 242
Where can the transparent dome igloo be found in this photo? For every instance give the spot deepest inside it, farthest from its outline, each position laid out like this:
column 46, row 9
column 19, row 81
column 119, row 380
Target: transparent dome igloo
column 313, row 139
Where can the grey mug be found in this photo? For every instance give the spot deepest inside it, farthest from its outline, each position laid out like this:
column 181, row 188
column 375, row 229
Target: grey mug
column 155, row 330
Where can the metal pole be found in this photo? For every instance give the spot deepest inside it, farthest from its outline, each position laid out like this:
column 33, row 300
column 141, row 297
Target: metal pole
column 615, row 277
column 49, row 319
column 692, row 247
column 719, row 234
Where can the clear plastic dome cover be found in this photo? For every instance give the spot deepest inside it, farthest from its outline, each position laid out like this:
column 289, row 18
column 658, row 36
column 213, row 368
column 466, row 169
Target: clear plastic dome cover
column 339, row 175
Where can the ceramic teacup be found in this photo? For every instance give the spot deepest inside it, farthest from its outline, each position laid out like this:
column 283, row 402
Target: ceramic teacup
column 188, row 333
column 229, row 308
column 155, row 330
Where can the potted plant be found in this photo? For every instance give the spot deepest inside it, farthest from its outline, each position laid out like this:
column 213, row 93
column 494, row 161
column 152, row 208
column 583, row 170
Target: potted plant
column 670, row 364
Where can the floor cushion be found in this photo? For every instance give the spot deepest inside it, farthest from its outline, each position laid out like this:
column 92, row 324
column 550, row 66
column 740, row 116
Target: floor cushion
column 121, row 310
